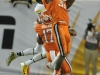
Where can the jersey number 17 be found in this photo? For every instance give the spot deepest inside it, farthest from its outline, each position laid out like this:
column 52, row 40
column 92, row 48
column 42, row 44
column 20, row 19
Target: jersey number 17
column 45, row 36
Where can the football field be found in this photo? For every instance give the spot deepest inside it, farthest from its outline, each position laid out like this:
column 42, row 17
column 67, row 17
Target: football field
column 19, row 74
column 30, row 74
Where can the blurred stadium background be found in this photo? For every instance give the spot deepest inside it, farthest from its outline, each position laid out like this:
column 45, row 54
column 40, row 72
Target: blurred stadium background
column 16, row 26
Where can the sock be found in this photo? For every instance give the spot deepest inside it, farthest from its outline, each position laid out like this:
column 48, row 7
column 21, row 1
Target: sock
column 19, row 54
column 29, row 51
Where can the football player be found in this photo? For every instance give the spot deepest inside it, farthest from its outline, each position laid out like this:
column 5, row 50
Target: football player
column 44, row 30
column 58, row 10
column 30, row 51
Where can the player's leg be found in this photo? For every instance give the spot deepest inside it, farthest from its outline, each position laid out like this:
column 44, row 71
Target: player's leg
column 29, row 51
column 52, row 63
column 66, row 67
column 59, row 36
column 51, row 55
column 48, row 57
column 37, row 57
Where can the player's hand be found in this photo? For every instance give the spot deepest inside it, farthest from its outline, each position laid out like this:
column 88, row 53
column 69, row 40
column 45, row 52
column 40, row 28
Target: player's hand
column 72, row 32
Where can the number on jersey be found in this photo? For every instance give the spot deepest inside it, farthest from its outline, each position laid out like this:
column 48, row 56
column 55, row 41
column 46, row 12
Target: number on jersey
column 45, row 36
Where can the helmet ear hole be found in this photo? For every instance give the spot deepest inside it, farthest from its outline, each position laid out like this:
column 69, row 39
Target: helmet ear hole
column 46, row 17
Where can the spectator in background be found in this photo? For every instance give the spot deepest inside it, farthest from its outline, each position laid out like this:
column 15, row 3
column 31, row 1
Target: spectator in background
column 92, row 38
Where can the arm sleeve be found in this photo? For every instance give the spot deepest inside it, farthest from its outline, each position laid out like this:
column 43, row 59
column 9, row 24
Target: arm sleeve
column 34, row 25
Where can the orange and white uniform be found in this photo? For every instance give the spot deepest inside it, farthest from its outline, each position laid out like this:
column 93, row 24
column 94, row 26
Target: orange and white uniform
column 58, row 10
column 45, row 32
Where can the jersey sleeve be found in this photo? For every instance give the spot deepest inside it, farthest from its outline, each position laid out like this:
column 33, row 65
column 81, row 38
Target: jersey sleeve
column 34, row 24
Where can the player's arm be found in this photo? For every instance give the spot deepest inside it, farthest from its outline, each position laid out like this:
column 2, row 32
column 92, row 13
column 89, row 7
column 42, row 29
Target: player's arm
column 69, row 3
column 39, row 40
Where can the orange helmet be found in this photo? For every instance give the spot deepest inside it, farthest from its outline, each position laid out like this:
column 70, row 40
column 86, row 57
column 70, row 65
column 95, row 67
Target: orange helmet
column 46, row 17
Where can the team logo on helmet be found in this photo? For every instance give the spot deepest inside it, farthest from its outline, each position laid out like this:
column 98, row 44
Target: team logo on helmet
column 46, row 17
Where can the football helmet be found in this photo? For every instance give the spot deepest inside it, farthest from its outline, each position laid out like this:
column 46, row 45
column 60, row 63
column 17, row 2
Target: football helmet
column 38, row 9
column 46, row 17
